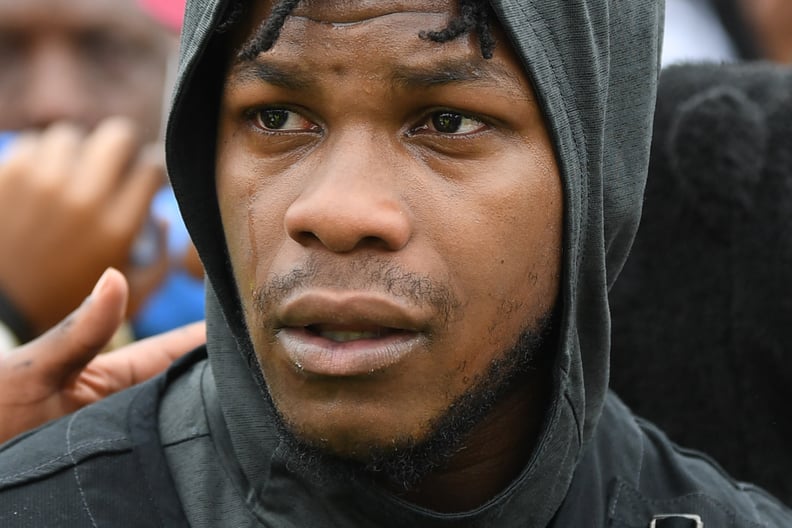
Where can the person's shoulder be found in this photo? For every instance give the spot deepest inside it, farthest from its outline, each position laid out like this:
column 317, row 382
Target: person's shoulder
column 43, row 478
column 657, row 478
column 103, row 428
column 104, row 461
column 97, row 429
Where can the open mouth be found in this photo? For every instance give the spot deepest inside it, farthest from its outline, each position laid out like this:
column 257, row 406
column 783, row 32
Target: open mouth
column 336, row 334
column 326, row 350
column 346, row 335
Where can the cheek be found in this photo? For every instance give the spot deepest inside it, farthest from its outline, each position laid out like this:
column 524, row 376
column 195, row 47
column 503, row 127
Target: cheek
column 252, row 212
column 499, row 240
column 236, row 193
column 503, row 236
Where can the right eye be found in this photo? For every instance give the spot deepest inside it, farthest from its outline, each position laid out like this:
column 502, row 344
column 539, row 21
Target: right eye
column 283, row 120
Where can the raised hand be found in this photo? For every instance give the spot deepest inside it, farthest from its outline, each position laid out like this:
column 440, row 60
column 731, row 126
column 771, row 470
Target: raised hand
column 60, row 371
column 73, row 204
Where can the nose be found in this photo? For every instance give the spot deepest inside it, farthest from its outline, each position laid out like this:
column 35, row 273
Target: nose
column 56, row 90
column 351, row 200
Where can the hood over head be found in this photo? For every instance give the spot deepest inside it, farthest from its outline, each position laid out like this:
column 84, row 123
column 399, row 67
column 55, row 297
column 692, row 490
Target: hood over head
column 594, row 65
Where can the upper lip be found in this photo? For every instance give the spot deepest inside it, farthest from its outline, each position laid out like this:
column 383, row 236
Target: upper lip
column 351, row 310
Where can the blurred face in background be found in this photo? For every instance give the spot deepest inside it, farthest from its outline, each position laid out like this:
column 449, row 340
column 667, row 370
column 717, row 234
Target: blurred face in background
column 771, row 23
column 81, row 61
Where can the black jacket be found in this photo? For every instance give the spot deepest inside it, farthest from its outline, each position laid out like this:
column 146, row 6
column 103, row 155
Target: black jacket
column 105, row 466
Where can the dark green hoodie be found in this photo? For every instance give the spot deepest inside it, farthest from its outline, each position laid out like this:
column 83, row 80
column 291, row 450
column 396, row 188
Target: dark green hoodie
column 594, row 65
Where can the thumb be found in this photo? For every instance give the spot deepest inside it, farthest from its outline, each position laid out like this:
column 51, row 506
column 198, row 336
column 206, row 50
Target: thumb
column 66, row 348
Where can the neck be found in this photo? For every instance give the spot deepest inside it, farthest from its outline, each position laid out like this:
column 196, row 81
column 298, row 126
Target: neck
column 493, row 455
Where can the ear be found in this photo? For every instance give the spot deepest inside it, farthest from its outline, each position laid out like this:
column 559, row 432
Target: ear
column 716, row 146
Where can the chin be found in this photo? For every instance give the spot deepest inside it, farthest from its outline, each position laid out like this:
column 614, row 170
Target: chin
column 356, row 440
column 341, row 455
column 351, row 424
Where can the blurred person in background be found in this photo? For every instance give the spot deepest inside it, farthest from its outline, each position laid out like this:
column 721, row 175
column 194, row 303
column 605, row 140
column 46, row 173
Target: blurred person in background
column 727, row 31
column 82, row 90
column 708, row 358
column 772, row 23
column 694, row 32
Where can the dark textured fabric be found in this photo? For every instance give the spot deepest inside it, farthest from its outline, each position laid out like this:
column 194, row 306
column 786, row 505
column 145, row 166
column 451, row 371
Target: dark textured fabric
column 104, row 467
column 631, row 472
column 701, row 313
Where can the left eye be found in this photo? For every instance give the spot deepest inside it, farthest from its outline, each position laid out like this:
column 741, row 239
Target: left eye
column 447, row 122
column 282, row 119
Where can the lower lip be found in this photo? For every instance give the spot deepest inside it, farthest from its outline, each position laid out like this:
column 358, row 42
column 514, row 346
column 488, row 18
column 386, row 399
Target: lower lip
column 313, row 354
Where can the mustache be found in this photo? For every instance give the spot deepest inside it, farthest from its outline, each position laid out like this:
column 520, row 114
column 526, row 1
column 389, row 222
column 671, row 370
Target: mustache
column 371, row 273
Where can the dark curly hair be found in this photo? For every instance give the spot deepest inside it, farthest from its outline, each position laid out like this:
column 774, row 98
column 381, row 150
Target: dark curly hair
column 474, row 15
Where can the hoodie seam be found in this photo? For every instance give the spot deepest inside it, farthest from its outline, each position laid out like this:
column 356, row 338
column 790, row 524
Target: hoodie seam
column 50, row 461
column 70, row 452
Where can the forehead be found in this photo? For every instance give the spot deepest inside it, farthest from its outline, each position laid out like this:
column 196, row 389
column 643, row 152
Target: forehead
column 330, row 34
column 347, row 11
column 64, row 15
column 342, row 12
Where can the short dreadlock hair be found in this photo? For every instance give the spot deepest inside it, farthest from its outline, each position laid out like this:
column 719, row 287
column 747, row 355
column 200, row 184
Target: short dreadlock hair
column 474, row 15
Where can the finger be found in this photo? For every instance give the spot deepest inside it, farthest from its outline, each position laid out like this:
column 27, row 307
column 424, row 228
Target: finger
column 148, row 357
column 153, row 155
column 106, row 157
column 56, row 155
column 63, row 351
column 131, row 205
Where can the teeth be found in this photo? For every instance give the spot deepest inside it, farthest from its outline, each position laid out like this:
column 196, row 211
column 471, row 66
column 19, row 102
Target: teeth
column 342, row 336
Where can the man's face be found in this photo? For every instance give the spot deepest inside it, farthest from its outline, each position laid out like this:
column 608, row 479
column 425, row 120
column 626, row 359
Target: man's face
column 393, row 212
column 80, row 61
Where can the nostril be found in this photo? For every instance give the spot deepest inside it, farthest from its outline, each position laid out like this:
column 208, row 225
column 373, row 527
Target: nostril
column 348, row 219
column 344, row 244
column 307, row 238
column 374, row 242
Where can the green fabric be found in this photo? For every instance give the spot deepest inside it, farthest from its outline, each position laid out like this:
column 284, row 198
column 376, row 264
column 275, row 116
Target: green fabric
column 594, row 64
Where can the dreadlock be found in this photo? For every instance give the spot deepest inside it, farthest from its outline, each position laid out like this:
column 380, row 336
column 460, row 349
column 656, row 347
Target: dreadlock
column 474, row 15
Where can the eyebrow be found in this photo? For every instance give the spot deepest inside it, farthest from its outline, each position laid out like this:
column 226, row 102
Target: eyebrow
column 451, row 72
column 289, row 78
column 293, row 77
